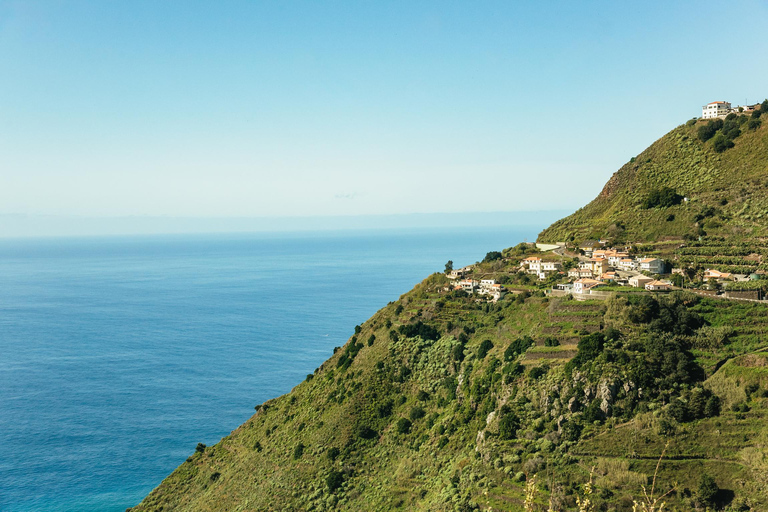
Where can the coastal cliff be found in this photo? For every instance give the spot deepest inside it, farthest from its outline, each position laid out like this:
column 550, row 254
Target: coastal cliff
column 449, row 399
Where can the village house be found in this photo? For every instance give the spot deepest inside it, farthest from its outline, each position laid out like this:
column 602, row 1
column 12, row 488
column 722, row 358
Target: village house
column 585, row 285
column 486, row 284
column 579, row 272
column 639, row 281
column 658, row 286
column 614, row 257
column 715, row 109
column 627, row 264
column 458, row 273
column 598, row 266
column 652, row 265
column 469, row 285
column 551, row 266
column 711, row 273
column 588, row 246
column 609, row 277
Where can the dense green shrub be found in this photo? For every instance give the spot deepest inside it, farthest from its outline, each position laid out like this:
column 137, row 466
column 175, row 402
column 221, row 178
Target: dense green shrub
column 720, row 143
column 417, row 412
column 403, row 425
column 333, row 453
column 483, row 349
column 754, row 124
column 662, row 198
column 298, row 451
column 508, row 424
column 492, row 256
column 517, row 347
column 200, row 448
column 425, row 331
column 334, row 480
column 707, row 489
column 708, row 130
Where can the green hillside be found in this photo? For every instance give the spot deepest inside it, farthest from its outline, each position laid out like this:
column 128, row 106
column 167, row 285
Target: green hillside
column 446, row 401
column 727, row 191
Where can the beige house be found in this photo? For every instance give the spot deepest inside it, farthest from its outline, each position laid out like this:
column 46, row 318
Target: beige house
column 640, row 281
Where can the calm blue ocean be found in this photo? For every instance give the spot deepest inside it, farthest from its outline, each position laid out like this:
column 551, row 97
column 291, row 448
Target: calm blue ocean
column 119, row 355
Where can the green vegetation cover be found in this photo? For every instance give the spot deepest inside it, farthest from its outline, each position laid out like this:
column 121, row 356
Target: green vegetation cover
column 448, row 401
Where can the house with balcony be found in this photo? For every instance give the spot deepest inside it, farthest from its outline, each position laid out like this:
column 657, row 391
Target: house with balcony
column 651, row 265
column 715, row 109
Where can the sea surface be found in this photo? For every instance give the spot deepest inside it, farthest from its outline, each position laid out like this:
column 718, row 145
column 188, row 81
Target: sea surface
column 119, row 355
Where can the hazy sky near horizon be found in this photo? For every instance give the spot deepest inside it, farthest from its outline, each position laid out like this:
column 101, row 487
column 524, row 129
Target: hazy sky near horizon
column 246, row 108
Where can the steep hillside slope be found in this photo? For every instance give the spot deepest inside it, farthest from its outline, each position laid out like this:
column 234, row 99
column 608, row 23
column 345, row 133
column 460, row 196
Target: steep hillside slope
column 446, row 401
column 727, row 191
column 441, row 402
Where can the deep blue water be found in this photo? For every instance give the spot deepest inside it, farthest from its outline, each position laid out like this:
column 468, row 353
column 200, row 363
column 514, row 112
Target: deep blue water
column 119, row 355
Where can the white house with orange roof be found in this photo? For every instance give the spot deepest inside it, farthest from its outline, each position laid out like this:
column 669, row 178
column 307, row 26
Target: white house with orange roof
column 585, row 285
column 715, row 109
column 711, row 273
column 658, row 286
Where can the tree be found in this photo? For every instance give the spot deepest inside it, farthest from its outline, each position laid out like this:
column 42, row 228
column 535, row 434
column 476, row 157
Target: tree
column 449, row 266
column 403, row 426
column 508, row 425
column 485, row 346
column 492, row 256
column 662, row 198
column 334, row 480
column 707, row 489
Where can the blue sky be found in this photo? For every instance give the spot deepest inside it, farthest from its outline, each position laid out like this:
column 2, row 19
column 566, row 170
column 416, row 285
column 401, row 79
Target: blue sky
column 217, row 109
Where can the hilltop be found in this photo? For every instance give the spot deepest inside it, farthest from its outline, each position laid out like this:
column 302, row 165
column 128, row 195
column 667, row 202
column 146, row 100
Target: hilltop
column 722, row 190
column 459, row 398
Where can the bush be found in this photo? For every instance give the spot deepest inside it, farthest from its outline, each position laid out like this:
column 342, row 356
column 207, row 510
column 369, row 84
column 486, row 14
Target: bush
column 508, row 425
column 200, row 448
column 365, row 432
column 417, row 412
column 334, row 480
column 492, row 256
column 403, row 426
column 720, row 143
column 754, row 124
column 425, row 331
column 709, row 130
column 517, row 347
column 708, row 489
column 483, row 349
column 537, row 372
column 333, row 453
column 298, row 451
column 662, row 198
column 371, row 339
column 551, row 342
column 422, row 396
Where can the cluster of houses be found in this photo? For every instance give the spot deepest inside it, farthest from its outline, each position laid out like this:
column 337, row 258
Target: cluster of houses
column 601, row 267
column 483, row 287
column 723, row 108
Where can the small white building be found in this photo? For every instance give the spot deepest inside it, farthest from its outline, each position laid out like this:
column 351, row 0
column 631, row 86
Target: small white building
column 468, row 285
column 550, row 266
column 715, row 109
column 652, row 265
column 627, row 264
column 585, row 285
column 658, row 286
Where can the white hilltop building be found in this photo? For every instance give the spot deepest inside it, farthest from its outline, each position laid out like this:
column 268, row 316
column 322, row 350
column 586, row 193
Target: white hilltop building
column 715, row 109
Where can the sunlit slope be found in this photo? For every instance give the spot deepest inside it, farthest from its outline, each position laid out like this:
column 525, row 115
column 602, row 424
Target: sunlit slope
column 727, row 191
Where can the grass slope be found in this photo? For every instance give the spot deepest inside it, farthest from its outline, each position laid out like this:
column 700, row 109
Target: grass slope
column 412, row 419
column 728, row 192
